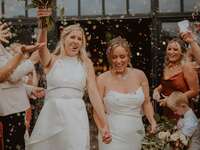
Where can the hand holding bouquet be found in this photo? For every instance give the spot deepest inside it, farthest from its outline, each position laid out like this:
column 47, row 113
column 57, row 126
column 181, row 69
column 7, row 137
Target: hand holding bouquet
column 44, row 12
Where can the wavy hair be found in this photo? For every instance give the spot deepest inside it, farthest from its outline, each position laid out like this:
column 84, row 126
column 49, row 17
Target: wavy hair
column 181, row 43
column 116, row 42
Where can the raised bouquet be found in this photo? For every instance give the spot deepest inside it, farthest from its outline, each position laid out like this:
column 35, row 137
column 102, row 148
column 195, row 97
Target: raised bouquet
column 44, row 21
column 167, row 137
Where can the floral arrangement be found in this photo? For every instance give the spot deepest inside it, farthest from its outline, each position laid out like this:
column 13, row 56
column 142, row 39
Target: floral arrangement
column 196, row 11
column 44, row 21
column 167, row 137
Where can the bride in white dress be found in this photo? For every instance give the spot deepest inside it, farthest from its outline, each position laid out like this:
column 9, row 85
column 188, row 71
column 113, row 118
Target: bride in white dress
column 125, row 92
column 63, row 121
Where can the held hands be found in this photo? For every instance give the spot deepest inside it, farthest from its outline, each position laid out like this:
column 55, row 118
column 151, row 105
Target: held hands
column 153, row 128
column 4, row 33
column 106, row 135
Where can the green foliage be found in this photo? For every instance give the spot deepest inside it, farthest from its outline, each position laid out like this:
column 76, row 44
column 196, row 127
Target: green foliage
column 44, row 21
column 152, row 141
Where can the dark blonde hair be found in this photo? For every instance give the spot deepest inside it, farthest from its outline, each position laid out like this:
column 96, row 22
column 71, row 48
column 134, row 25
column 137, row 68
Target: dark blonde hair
column 116, row 42
column 181, row 43
column 176, row 99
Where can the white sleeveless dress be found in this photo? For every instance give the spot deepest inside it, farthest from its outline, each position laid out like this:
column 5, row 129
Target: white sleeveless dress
column 125, row 120
column 63, row 121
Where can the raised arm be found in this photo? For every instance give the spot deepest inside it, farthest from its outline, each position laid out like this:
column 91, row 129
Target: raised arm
column 6, row 70
column 195, row 48
column 42, row 38
column 192, row 80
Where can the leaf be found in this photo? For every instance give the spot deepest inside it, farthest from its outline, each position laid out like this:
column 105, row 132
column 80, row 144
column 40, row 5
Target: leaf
column 62, row 12
column 29, row 6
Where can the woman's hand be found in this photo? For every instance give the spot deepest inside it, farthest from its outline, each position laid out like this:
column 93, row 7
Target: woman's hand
column 153, row 127
column 188, row 37
column 4, row 33
column 106, row 135
column 31, row 48
column 37, row 92
column 35, row 57
column 44, row 12
column 156, row 94
column 163, row 102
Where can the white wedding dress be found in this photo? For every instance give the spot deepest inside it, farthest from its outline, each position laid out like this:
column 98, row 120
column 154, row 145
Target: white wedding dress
column 125, row 120
column 63, row 121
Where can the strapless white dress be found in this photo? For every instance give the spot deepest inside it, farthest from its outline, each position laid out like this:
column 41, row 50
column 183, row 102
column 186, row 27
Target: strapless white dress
column 63, row 121
column 125, row 120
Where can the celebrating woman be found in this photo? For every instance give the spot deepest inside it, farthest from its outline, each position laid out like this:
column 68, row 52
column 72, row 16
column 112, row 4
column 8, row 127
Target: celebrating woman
column 63, row 121
column 125, row 93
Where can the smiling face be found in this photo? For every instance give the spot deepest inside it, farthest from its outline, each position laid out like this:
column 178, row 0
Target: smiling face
column 73, row 43
column 174, row 52
column 119, row 59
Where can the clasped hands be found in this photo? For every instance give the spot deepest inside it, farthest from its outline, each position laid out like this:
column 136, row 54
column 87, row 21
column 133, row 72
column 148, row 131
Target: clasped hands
column 106, row 135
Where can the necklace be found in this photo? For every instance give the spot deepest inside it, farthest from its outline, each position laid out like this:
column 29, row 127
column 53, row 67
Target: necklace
column 122, row 76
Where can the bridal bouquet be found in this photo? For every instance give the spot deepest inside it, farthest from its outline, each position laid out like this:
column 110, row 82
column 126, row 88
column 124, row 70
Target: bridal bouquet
column 44, row 21
column 175, row 140
column 167, row 137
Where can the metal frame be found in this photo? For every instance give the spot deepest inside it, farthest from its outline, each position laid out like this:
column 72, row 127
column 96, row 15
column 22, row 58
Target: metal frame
column 154, row 11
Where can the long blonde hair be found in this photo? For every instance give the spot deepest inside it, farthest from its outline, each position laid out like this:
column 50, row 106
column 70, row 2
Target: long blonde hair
column 182, row 47
column 60, row 49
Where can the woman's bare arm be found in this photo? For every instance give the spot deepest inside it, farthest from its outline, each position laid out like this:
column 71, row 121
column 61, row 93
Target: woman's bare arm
column 147, row 105
column 192, row 80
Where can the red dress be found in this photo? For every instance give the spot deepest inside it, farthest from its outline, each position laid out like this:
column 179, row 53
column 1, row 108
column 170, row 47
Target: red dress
column 175, row 83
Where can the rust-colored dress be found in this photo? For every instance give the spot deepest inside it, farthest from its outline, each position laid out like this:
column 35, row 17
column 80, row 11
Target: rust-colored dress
column 175, row 83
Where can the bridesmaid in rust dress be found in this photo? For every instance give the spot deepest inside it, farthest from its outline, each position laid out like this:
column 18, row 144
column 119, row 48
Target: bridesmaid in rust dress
column 177, row 76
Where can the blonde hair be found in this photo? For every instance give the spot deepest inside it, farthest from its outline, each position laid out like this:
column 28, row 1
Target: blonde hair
column 182, row 47
column 176, row 99
column 116, row 42
column 60, row 49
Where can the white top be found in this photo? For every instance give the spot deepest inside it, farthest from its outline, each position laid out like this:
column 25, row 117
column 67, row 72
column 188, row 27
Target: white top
column 65, row 77
column 13, row 97
column 188, row 123
column 63, row 122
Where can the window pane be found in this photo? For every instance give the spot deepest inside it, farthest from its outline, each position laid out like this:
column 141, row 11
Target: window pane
column 70, row 7
column 190, row 4
column 0, row 9
column 169, row 5
column 139, row 6
column 91, row 7
column 32, row 11
column 14, row 8
column 115, row 7
column 170, row 28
